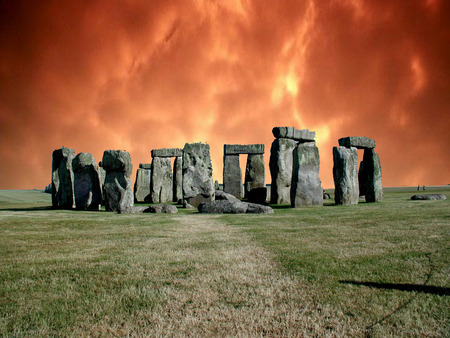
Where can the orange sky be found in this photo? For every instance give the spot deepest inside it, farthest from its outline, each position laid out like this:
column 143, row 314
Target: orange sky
column 140, row 75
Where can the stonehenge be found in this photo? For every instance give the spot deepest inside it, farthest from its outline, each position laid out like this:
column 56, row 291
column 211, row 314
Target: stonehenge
column 294, row 167
column 142, row 183
column 254, row 186
column 349, row 183
column 165, row 183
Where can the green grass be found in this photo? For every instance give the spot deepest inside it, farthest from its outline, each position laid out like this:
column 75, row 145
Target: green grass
column 374, row 269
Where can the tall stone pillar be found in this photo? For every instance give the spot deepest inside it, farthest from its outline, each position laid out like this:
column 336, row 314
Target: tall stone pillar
column 281, row 165
column 232, row 175
column 372, row 167
column 142, row 183
column 362, row 179
column 306, row 185
column 255, row 176
column 87, row 186
column 62, row 178
column 161, row 184
column 118, row 192
column 178, row 179
column 345, row 162
column 198, row 184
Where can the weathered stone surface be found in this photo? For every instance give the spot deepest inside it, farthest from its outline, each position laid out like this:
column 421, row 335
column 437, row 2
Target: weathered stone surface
column 117, row 189
column 145, row 166
column 167, row 152
column 326, row 196
column 221, row 195
column 306, row 185
column 62, row 178
column 429, row 197
column 161, row 208
column 255, row 175
column 178, row 179
column 117, row 160
column 186, row 205
column 357, row 142
column 372, row 172
column 87, row 186
column 302, row 135
column 281, row 165
column 258, row 195
column 198, row 184
column 236, row 149
column 161, row 185
column 233, row 207
column 362, row 179
column 142, row 185
column 345, row 175
column 216, row 185
column 232, row 175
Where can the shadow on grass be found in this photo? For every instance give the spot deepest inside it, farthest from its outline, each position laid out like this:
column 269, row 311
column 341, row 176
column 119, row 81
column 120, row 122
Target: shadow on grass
column 41, row 208
column 435, row 290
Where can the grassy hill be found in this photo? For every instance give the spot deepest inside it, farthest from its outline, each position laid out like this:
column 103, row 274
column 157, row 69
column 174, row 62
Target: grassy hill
column 373, row 269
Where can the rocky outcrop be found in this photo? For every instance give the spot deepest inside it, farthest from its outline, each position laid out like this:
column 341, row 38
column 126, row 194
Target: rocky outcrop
column 306, row 185
column 345, row 175
column 87, row 186
column 198, row 185
column 62, row 178
column 117, row 191
column 281, row 166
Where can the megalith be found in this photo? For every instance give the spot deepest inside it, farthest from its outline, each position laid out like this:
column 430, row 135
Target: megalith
column 118, row 191
column 142, row 183
column 178, row 179
column 62, row 178
column 306, row 185
column 198, row 184
column 372, row 168
column 281, row 165
column 87, row 186
column 232, row 175
column 255, row 177
column 362, row 179
column 345, row 161
column 161, row 184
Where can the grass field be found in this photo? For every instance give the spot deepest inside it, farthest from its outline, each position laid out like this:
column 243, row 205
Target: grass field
column 379, row 269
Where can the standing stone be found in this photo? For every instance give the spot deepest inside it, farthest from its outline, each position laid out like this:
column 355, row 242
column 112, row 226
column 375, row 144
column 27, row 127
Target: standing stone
column 178, row 179
column 161, row 184
column 255, row 176
column 306, row 185
column 198, row 184
column 345, row 175
column 118, row 191
column 372, row 167
column 102, row 175
column 62, row 178
column 362, row 179
column 87, row 186
column 142, row 185
column 232, row 175
column 281, row 161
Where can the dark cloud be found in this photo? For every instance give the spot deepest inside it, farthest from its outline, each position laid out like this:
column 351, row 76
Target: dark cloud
column 140, row 75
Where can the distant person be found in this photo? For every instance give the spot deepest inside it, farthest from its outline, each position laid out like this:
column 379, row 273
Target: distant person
column 423, row 188
column 418, row 187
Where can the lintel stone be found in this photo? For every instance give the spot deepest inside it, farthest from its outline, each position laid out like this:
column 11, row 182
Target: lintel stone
column 145, row 166
column 236, row 149
column 302, row 135
column 357, row 142
column 167, row 152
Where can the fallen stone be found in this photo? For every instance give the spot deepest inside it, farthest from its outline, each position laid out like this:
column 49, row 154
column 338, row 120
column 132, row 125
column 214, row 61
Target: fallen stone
column 255, row 175
column 236, row 149
column 198, row 185
column 232, row 175
column 302, row 135
column 345, row 175
column 87, row 186
column 357, row 142
column 133, row 210
column 306, row 185
column 142, row 185
column 236, row 207
column 222, row 195
column 62, row 178
column 161, row 209
column 167, row 152
column 186, row 205
column 429, row 197
column 161, row 185
column 281, row 164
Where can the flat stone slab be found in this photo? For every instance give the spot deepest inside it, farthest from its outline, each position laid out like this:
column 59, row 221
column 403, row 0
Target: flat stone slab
column 236, row 149
column 302, row 135
column 236, row 207
column 161, row 209
column 167, row 152
column 145, row 166
column 360, row 142
column 429, row 197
